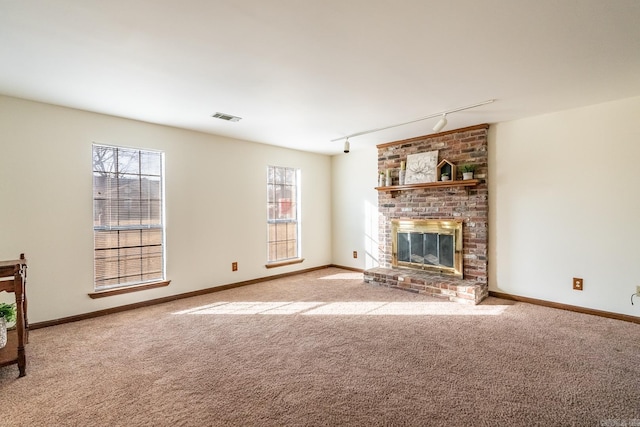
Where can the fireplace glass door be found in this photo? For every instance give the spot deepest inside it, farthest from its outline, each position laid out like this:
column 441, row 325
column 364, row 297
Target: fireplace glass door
column 428, row 245
column 426, row 248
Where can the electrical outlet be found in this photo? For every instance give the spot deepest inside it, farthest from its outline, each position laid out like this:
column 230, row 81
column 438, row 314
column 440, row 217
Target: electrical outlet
column 355, row 254
column 578, row 284
column 638, row 290
column 234, row 266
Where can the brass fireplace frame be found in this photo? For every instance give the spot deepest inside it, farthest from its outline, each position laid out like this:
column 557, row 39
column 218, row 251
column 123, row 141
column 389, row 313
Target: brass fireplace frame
column 452, row 227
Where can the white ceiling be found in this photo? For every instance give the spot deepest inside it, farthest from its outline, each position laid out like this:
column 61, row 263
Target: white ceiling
column 303, row 72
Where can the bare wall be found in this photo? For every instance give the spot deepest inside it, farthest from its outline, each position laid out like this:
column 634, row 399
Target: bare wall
column 355, row 208
column 215, row 204
column 564, row 202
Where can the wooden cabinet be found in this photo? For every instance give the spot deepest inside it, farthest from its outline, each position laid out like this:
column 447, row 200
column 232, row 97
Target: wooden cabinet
column 13, row 277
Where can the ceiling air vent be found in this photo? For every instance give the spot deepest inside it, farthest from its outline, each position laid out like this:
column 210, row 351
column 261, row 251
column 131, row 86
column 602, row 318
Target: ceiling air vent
column 227, row 117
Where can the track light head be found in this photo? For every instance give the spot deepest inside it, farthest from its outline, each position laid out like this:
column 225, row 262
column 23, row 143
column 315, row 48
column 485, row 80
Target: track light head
column 347, row 146
column 441, row 123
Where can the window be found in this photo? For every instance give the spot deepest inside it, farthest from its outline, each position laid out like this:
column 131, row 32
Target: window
column 128, row 217
column 283, row 210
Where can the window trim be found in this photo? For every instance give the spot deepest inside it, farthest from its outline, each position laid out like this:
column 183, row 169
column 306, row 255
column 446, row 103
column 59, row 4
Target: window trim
column 291, row 261
column 126, row 289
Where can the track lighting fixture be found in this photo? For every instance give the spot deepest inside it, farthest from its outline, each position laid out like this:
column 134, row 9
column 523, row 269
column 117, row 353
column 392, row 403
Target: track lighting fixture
column 441, row 123
column 347, row 146
column 437, row 128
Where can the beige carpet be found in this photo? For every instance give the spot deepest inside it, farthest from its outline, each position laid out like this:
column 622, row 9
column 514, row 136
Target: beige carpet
column 323, row 348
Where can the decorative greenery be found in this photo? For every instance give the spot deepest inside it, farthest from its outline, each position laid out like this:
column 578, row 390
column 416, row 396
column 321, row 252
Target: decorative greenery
column 468, row 168
column 8, row 311
column 445, row 174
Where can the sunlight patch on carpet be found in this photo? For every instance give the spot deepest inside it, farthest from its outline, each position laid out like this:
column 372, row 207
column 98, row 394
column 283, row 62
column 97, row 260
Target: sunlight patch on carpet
column 258, row 307
column 347, row 308
column 406, row 309
column 343, row 276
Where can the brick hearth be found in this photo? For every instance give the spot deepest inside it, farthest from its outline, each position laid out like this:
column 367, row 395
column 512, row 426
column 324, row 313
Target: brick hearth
column 462, row 146
column 436, row 285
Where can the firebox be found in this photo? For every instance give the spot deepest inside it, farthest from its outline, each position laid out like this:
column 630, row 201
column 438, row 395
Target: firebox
column 428, row 244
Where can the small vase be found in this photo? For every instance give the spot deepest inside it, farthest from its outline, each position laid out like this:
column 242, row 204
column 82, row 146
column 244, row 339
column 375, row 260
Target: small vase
column 388, row 181
column 401, row 176
column 3, row 332
column 467, row 175
column 444, row 178
column 381, row 180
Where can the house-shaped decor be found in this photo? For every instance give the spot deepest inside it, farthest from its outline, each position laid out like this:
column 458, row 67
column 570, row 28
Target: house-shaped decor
column 445, row 166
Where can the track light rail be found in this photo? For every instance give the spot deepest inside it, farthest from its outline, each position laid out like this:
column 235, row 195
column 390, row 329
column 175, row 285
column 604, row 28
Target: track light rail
column 431, row 116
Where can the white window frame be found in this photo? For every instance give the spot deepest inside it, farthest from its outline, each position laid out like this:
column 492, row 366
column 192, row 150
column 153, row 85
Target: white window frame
column 277, row 214
column 113, row 237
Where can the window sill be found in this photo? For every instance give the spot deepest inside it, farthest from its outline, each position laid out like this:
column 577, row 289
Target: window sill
column 128, row 289
column 283, row 263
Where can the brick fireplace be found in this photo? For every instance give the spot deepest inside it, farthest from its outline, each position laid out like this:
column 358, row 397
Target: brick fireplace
column 455, row 200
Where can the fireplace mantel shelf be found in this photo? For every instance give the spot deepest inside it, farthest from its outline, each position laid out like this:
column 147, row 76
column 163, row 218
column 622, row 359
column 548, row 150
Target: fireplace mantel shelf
column 437, row 184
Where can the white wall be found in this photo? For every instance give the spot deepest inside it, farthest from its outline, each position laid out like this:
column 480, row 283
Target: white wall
column 355, row 208
column 565, row 202
column 215, row 196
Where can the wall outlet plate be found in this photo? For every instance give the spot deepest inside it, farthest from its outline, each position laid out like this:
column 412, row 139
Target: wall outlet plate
column 578, row 283
column 638, row 290
column 355, row 254
column 234, row 266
